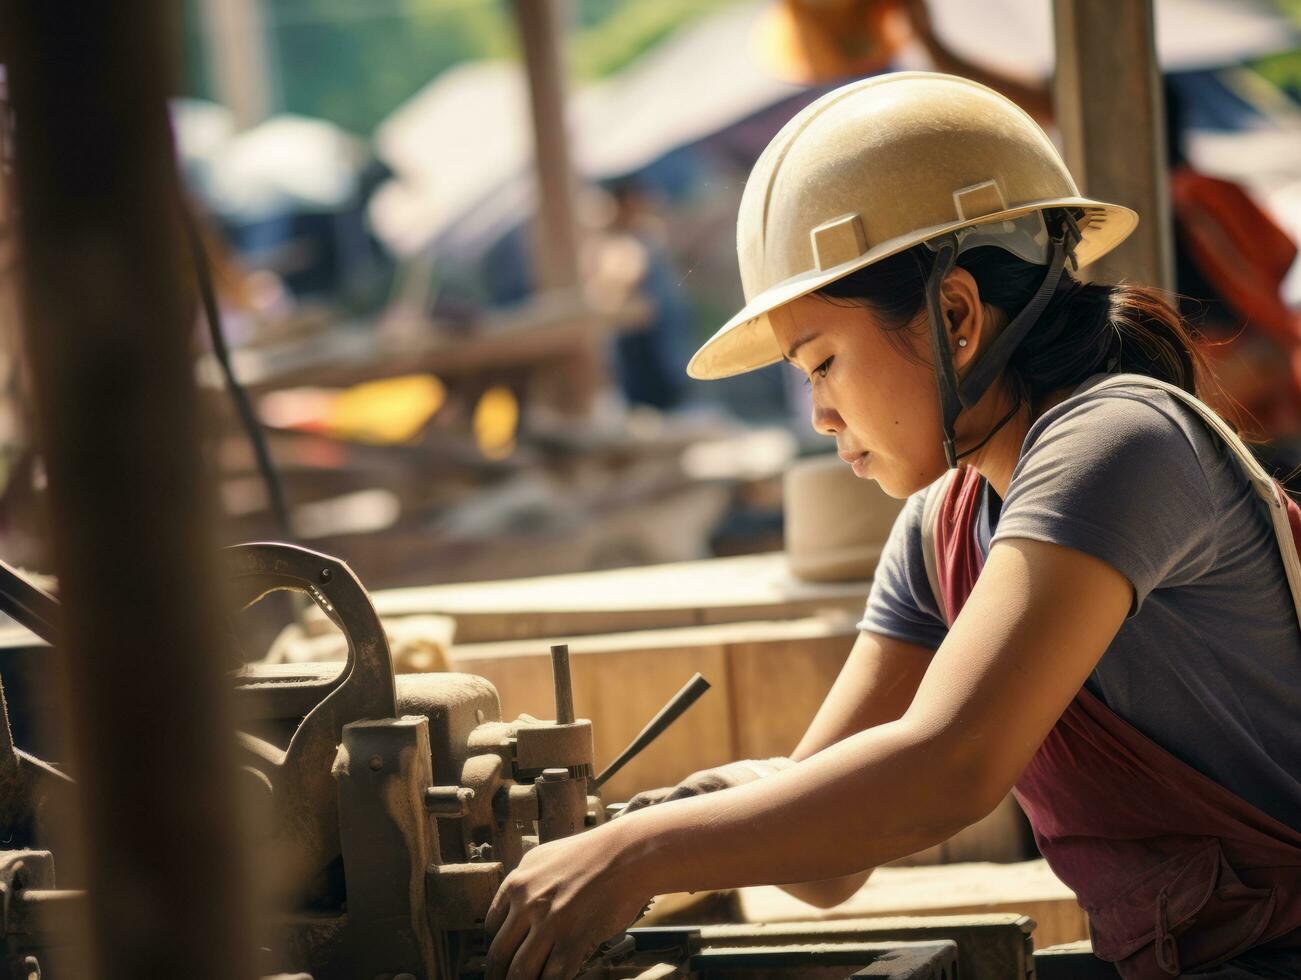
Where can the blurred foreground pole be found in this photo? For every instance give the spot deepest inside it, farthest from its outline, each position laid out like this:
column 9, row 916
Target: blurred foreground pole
column 109, row 318
column 542, row 28
column 1111, row 112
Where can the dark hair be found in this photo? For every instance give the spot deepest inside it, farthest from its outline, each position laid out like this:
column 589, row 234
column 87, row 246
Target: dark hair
column 1087, row 328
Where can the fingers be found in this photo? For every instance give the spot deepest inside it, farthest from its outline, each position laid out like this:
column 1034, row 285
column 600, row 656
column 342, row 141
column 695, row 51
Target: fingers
column 648, row 798
column 531, row 957
column 505, row 942
column 697, row 786
column 561, row 965
column 497, row 911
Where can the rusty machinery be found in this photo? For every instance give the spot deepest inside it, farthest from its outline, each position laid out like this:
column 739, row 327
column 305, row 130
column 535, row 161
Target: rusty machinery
column 391, row 808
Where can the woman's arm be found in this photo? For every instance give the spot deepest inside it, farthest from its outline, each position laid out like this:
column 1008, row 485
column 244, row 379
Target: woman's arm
column 875, row 686
column 1037, row 622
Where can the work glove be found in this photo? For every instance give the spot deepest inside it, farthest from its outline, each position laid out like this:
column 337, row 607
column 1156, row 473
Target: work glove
column 710, row 781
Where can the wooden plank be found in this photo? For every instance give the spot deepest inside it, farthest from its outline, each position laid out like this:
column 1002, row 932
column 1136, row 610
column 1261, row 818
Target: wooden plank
column 777, row 688
column 769, row 680
column 622, row 679
column 1029, row 888
column 678, row 594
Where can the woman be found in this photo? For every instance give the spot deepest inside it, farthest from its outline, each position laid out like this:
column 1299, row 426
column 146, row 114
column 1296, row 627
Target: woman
column 1098, row 609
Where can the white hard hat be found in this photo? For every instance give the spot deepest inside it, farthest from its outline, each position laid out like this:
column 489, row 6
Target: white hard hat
column 883, row 164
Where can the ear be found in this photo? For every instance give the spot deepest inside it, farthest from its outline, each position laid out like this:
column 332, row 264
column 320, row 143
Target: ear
column 965, row 316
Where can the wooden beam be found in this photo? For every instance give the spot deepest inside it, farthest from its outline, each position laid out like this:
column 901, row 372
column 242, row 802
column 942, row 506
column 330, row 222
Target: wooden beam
column 238, row 55
column 572, row 385
column 1111, row 113
column 542, row 35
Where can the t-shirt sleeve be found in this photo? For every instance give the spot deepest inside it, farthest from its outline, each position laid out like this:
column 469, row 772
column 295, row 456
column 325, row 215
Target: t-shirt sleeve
column 1118, row 476
column 900, row 603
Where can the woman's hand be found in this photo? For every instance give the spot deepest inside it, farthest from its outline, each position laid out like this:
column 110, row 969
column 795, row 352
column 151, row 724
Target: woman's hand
column 565, row 899
column 710, row 781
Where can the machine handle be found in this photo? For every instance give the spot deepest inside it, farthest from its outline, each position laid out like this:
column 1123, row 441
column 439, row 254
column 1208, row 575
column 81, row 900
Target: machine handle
column 668, row 714
column 254, row 570
column 27, row 604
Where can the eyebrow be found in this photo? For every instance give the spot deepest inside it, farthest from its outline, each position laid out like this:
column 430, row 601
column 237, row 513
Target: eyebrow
column 790, row 354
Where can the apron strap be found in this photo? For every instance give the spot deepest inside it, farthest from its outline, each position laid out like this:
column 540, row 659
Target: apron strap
column 935, row 495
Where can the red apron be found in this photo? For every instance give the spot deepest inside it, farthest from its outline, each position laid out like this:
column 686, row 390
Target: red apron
column 1175, row 871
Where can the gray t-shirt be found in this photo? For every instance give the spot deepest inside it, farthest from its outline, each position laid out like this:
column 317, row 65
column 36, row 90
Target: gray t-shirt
column 1208, row 662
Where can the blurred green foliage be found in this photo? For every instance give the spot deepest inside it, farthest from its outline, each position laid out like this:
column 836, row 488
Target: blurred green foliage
column 354, row 61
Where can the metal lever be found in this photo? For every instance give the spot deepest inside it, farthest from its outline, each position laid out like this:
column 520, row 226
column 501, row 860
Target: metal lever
column 563, row 684
column 26, row 604
column 668, row 714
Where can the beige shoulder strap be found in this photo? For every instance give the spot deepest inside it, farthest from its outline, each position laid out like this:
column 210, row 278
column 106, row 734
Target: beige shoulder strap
column 930, row 514
column 1260, row 480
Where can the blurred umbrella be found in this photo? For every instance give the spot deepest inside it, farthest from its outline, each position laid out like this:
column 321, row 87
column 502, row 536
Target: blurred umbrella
column 286, row 164
column 462, row 151
column 202, row 130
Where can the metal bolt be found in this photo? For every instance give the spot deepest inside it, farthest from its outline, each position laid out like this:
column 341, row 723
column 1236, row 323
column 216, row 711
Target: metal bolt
column 376, row 763
column 448, row 801
column 555, row 775
column 326, row 574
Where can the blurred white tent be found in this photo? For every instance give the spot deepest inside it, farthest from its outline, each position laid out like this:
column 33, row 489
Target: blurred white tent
column 202, row 129
column 286, row 163
column 461, row 148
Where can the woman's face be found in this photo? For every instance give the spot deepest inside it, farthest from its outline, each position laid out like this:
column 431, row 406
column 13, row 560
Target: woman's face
column 878, row 402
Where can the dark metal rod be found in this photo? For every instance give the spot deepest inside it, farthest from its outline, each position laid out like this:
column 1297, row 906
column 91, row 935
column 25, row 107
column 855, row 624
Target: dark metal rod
column 252, row 424
column 27, row 604
column 671, row 712
column 563, row 683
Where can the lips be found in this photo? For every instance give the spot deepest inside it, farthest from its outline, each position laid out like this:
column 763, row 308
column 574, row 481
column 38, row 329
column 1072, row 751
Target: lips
column 850, row 457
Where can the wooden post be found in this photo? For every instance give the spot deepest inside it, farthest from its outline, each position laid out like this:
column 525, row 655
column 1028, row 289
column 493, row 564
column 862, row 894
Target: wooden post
column 238, row 58
column 109, row 317
column 541, row 31
column 1111, row 113
column 555, row 232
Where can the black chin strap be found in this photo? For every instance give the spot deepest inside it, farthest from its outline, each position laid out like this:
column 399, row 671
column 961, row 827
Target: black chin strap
column 957, row 395
column 990, row 435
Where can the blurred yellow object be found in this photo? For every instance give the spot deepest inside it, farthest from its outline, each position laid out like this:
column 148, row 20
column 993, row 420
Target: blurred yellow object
column 816, row 41
column 496, row 418
column 393, row 410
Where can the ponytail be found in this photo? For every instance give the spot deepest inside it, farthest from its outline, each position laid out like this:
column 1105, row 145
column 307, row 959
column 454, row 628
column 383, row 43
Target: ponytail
column 1097, row 328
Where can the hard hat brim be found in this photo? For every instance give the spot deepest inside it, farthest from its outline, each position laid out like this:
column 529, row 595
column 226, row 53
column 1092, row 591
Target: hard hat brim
column 747, row 342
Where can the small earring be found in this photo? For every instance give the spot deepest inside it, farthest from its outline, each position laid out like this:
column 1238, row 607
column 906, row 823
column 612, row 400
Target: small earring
column 962, row 341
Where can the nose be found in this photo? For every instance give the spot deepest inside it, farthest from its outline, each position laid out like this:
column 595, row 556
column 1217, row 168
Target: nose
column 826, row 420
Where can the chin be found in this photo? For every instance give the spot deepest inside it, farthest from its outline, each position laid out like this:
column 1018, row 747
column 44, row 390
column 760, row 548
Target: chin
column 902, row 486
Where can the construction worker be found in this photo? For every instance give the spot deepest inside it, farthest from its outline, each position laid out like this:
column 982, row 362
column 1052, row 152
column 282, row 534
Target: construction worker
column 1090, row 598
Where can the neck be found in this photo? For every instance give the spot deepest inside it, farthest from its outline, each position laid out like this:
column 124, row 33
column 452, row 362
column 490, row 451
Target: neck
column 997, row 459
